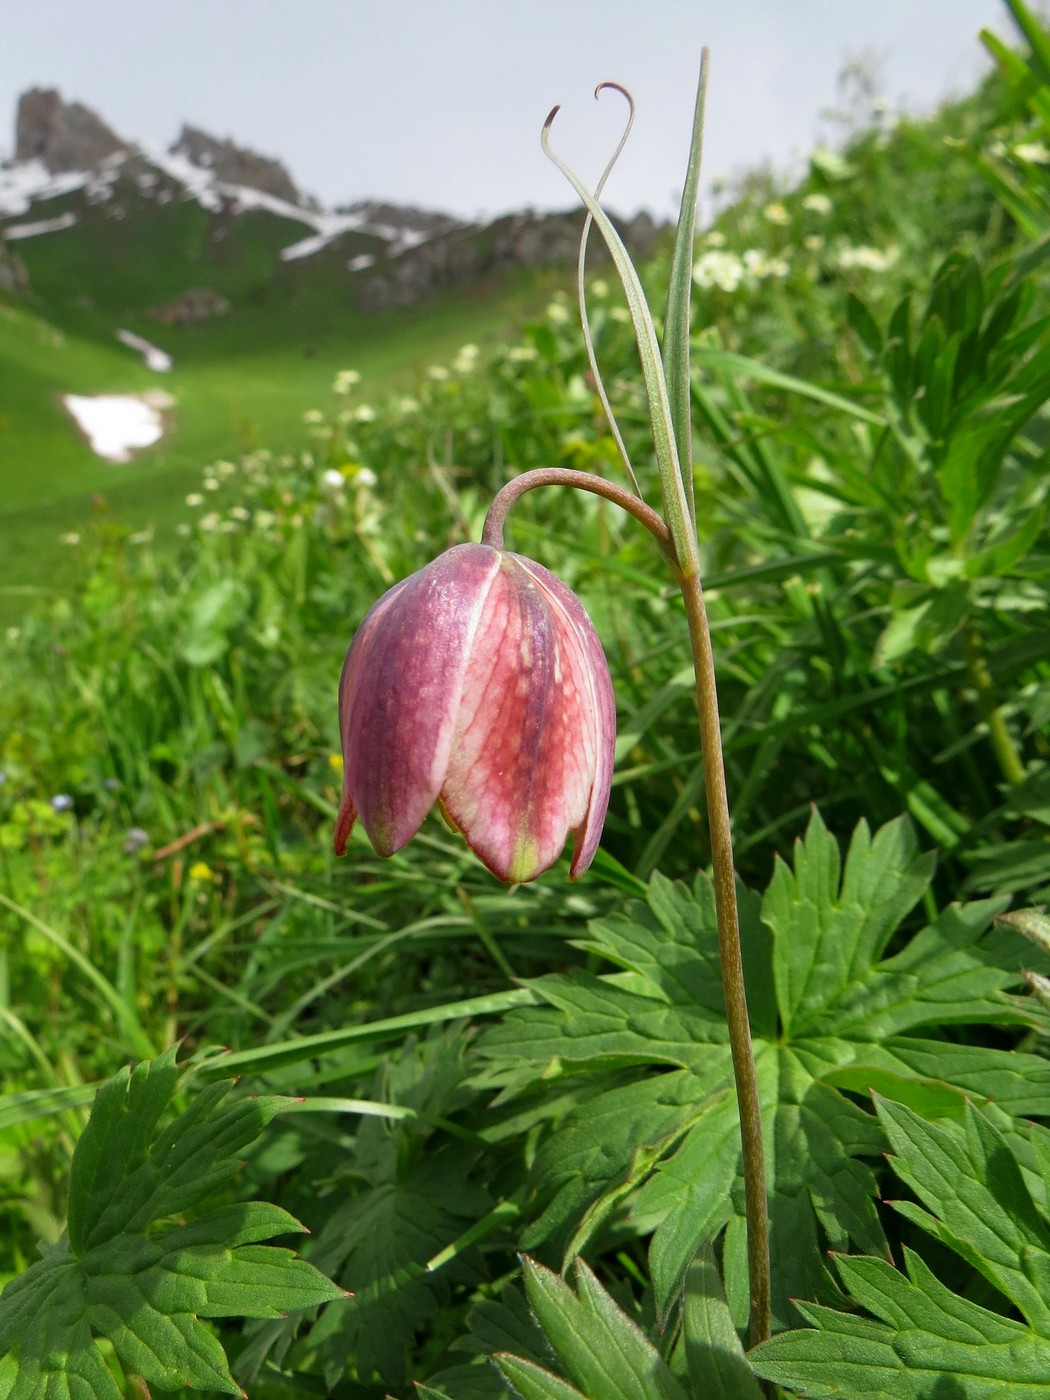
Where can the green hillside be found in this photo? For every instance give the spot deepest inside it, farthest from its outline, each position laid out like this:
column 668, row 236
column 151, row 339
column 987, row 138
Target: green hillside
column 240, row 379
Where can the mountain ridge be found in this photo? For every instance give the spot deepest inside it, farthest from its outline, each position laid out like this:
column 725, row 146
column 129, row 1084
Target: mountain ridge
column 71, row 168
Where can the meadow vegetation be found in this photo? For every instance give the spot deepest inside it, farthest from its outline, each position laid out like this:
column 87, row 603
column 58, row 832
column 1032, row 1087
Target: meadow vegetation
column 437, row 1075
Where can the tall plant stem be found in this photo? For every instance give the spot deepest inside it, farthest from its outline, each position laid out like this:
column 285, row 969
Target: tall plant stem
column 1010, row 764
column 737, row 1019
column 730, row 958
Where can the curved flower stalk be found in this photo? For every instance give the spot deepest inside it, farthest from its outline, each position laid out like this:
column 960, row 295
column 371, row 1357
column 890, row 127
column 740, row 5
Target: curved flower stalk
column 665, row 371
column 480, row 683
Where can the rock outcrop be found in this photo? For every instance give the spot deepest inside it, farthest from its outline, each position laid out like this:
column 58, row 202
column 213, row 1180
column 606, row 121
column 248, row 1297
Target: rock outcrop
column 63, row 135
column 379, row 217
column 198, row 304
column 236, row 166
column 12, row 270
column 468, row 253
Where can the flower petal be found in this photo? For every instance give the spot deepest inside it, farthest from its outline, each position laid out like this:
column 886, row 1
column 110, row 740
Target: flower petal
column 531, row 757
column 399, row 694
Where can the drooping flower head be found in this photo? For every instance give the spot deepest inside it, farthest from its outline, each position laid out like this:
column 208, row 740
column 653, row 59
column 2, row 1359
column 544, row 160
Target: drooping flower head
column 479, row 682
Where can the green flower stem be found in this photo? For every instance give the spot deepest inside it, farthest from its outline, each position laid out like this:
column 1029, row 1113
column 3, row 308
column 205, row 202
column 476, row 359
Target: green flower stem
column 1010, row 764
column 730, row 959
column 721, row 833
column 667, row 388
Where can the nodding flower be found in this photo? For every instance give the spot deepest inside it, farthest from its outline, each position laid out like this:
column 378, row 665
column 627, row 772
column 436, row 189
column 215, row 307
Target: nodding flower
column 479, row 683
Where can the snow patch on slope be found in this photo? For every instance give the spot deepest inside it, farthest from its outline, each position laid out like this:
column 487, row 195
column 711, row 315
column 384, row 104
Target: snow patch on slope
column 117, row 425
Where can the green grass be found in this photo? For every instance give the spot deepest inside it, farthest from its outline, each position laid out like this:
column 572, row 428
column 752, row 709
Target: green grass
column 240, row 381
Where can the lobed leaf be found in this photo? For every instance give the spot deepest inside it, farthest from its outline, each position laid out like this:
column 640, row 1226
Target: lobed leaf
column 635, row 1065
column 927, row 1339
column 126, row 1272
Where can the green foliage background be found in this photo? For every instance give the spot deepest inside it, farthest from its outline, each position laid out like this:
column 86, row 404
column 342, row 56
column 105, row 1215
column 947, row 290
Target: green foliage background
column 483, row 1071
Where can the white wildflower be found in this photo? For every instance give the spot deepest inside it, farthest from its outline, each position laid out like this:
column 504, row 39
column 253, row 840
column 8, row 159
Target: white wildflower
column 208, row 522
column 714, row 238
column 437, row 372
column 870, row 259
column 225, row 469
column 364, row 413
column 776, row 213
column 1034, row 152
column 195, row 499
column 468, row 354
column 813, row 242
column 333, row 480
column 240, row 513
column 817, row 203
column 522, row 354
column 345, row 381
column 71, row 538
column 717, row 269
column 313, row 415
column 558, row 314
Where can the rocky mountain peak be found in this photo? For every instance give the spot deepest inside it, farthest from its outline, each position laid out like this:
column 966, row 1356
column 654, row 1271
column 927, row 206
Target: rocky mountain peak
column 234, row 165
column 62, row 135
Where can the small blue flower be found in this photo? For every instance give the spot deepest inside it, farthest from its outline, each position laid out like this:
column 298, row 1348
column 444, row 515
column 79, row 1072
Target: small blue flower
column 135, row 840
column 61, row 802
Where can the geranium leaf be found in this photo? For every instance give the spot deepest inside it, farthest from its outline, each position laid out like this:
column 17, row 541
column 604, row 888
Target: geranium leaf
column 715, row 1356
column 126, row 1272
column 921, row 1335
column 647, row 1134
column 829, row 931
column 966, row 1174
column 926, row 1338
column 602, row 1350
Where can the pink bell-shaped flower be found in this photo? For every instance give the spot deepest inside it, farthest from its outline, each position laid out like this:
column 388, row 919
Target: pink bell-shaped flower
column 479, row 682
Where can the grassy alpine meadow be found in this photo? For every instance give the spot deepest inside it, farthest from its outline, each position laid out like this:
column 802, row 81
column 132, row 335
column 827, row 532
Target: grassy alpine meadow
column 243, row 383
column 287, row 1123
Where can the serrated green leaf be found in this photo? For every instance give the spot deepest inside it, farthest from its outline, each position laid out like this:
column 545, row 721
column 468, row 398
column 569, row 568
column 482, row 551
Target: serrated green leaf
column 689, row 1194
column 532, row 1382
column 479, row 1382
column 602, row 1350
column 966, row 1174
column 976, row 1201
column 631, row 1123
column 717, row 1366
column 827, row 936
column 124, row 1272
column 641, row 1059
column 927, row 1338
column 398, row 1207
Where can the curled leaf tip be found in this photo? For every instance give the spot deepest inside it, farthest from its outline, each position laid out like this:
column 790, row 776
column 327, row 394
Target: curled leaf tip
column 616, row 87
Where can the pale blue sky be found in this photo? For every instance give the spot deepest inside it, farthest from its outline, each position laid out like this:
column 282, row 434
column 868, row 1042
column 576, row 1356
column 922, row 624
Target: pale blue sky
column 440, row 102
